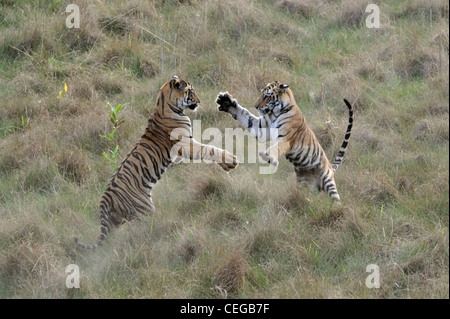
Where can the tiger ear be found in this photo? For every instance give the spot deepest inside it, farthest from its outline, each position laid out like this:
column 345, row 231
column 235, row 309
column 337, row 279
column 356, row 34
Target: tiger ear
column 283, row 87
column 180, row 84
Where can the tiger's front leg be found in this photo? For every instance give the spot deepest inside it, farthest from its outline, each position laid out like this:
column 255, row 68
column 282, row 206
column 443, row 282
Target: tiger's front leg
column 273, row 153
column 194, row 150
column 257, row 126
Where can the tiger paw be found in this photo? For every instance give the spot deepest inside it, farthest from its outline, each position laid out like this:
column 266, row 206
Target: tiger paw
column 269, row 159
column 229, row 162
column 227, row 103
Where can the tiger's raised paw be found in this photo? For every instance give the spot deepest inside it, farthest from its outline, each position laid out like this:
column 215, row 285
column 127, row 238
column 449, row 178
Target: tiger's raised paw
column 229, row 162
column 267, row 158
column 226, row 102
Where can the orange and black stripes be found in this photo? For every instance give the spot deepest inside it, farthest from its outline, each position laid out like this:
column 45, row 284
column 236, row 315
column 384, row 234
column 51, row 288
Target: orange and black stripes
column 340, row 155
column 128, row 194
column 295, row 140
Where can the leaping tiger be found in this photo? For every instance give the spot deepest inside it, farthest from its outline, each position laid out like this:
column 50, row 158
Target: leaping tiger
column 128, row 194
column 295, row 140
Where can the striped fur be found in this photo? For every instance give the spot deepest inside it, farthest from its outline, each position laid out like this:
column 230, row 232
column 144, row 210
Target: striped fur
column 295, row 140
column 128, row 194
column 340, row 156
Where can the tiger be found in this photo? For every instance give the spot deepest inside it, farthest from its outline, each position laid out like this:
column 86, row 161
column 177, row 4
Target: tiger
column 294, row 139
column 166, row 138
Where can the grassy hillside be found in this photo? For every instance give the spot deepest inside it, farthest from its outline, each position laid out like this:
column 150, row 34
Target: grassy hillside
column 215, row 234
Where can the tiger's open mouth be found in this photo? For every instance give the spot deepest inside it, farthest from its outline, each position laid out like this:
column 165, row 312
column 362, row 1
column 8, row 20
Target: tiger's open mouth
column 193, row 106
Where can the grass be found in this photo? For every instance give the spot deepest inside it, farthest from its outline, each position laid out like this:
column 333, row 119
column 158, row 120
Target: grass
column 218, row 235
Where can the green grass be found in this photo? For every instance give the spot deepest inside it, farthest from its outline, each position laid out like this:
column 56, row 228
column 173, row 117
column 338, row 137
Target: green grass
column 214, row 234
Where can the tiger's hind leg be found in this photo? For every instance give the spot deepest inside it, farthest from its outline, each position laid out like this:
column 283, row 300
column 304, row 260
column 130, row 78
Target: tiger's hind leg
column 306, row 180
column 328, row 184
column 317, row 181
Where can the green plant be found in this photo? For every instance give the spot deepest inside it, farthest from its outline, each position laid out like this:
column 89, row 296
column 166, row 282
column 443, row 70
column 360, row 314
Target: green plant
column 25, row 122
column 112, row 157
column 293, row 244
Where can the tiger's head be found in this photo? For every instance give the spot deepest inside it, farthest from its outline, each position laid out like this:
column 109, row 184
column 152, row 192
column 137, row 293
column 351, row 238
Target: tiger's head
column 180, row 95
column 274, row 97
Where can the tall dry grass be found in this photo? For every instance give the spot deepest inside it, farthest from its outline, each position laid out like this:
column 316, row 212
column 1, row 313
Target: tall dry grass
column 219, row 235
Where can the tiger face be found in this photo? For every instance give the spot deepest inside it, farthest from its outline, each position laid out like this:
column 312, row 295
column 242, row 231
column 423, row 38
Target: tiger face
column 183, row 96
column 273, row 98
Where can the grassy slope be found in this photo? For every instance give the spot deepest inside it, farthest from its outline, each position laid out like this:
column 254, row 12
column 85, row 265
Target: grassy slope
column 215, row 234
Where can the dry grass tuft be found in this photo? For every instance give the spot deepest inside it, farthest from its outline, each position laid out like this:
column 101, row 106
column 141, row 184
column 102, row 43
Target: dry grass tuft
column 351, row 223
column 304, row 8
column 26, row 147
column 83, row 39
column 292, row 32
column 441, row 40
column 242, row 18
column 425, row 10
column 7, row 2
column 372, row 70
column 433, row 129
column 8, row 161
column 28, row 253
column 230, row 276
column 417, row 63
column 146, row 69
column 20, row 45
column 29, row 232
column 28, row 84
column 141, row 9
column 185, row 1
column 367, row 138
column 328, row 218
column 207, row 187
column 414, row 265
column 346, row 85
column 116, row 25
column 116, row 53
column 429, row 252
column 74, row 165
column 190, row 246
column 214, row 234
column 41, row 176
column 165, row 229
column 28, row 107
column 325, row 134
column 352, row 13
column 380, row 190
column 265, row 244
column 81, row 88
column 84, row 130
column 406, row 184
column 282, row 57
column 293, row 200
column 108, row 85
column 226, row 218
column 432, row 109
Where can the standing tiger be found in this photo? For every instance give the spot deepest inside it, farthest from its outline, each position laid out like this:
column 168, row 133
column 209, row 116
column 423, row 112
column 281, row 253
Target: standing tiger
column 128, row 194
column 278, row 110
